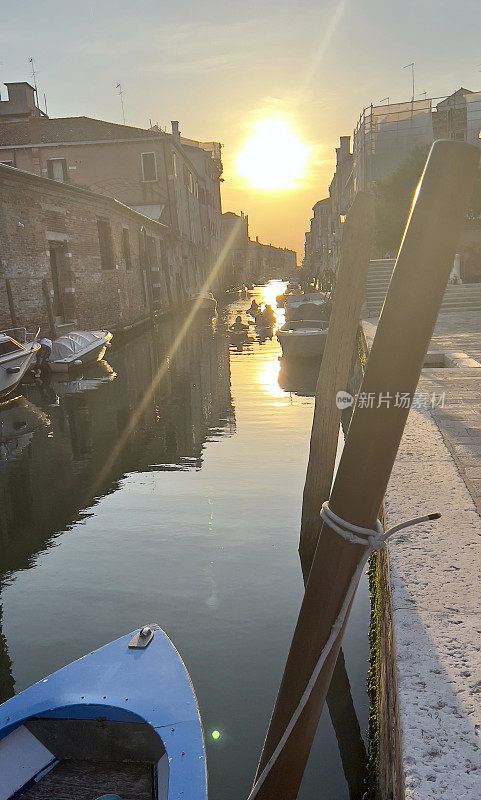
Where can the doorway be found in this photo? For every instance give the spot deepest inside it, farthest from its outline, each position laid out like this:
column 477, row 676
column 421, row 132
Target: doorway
column 57, row 270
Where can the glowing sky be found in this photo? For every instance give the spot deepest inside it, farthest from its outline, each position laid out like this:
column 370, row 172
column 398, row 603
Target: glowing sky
column 223, row 69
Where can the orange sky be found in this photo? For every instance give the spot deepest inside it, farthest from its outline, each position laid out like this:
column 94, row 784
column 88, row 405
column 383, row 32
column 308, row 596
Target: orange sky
column 218, row 68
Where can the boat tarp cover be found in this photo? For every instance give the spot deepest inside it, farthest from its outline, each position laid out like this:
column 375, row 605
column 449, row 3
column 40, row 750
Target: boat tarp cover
column 74, row 344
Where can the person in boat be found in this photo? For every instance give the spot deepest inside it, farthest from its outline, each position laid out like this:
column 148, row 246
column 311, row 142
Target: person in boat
column 268, row 317
column 253, row 309
column 239, row 326
column 43, row 355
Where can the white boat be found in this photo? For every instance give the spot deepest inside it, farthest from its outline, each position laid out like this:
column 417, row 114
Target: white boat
column 78, row 348
column 17, row 351
column 206, row 303
column 298, row 305
column 304, row 339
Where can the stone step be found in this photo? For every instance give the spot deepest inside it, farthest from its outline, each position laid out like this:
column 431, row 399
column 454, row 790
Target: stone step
column 375, row 311
column 451, row 294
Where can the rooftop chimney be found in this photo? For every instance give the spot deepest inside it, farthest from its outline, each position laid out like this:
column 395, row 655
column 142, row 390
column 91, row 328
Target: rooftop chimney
column 21, row 101
column 175, row 129
column 34, row 129
column 345, row 142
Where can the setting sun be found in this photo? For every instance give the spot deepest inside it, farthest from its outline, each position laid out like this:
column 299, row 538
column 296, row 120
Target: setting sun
column 273, row 158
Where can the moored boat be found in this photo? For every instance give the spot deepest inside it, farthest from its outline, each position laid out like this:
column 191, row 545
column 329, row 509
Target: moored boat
column 78, row 348
column 303, row 339
column 17, row 351
column 123, row 718
column 298, row 304
column 205, row 302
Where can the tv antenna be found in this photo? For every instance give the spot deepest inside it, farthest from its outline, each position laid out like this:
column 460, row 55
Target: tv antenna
column 34, row 78
column 121, row 95
column 412, row 73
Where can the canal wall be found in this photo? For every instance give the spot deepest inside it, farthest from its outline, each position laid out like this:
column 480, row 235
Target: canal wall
column 103, row 264
column 385, row 767
column 425, row 670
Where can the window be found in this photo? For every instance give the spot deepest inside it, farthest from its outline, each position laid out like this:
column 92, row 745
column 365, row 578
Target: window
column 57, row 169
column 126, row 248
column 191, row 183
column 151, row 248
column 149, row 167
column 174, row 164
column 143, row 278
column 105, row 243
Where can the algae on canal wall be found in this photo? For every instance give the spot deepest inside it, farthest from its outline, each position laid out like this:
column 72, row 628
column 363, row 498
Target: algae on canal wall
column 384, row 780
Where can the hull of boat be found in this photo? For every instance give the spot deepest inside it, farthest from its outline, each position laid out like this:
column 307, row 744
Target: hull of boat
column 208, row 305
column 13, row 368
column 302, row 343
column 122, row 712
column 82, row 348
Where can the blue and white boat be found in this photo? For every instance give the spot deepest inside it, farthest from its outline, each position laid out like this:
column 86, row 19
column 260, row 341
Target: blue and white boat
column 121, row 721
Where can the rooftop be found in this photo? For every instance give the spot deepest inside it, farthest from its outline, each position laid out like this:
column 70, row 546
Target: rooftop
column 71, row 129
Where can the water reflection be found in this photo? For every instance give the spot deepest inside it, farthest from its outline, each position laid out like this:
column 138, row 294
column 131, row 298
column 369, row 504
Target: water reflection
column 192, row 404
column 188, row 525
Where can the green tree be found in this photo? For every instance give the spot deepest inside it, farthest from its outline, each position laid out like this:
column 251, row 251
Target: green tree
column 394, row 195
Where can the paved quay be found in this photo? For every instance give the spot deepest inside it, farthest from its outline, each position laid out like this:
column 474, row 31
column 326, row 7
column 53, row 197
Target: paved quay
column 435, row 572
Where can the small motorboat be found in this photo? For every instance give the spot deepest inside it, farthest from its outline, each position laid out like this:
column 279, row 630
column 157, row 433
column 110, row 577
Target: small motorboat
column 123, row 720
column 206, row 303
column 314, row 305
column 17, row 351
column 78, row 348
column 303, row 339
column 238, row 335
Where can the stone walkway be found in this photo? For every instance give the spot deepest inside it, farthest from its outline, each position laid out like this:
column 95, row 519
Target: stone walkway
column 435, row 574
column 460, row 419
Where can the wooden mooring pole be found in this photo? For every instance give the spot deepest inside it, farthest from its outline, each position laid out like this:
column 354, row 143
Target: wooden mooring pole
column 356, row 246
column 334, row 371
column 397, row 355
column 48, row 305
column 11, row 304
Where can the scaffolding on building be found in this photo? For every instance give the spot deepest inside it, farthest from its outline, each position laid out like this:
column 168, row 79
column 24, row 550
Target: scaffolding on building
column 385, row 135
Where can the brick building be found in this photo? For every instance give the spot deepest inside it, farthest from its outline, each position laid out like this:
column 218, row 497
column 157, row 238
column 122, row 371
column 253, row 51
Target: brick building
column 166, row 177
column 103, row 264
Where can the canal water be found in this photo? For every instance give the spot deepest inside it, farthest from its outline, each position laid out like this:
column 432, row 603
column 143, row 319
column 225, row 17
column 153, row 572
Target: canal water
column 166, row 487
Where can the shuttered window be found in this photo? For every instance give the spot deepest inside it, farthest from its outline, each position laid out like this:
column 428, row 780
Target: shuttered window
column 105, row 244
column 57, row 169
column 149, row 167
column 126, row 248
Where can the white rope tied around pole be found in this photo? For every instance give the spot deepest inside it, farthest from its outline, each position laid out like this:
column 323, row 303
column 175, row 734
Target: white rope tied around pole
column 372, row 539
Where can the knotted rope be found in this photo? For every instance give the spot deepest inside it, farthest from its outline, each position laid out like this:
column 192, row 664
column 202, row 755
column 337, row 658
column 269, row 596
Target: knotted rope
column 373, row 539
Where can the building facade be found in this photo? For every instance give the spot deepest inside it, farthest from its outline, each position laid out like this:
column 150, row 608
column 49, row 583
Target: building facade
column 164, row 176
column 250, row 261
column 92, row 260
column 383, row 139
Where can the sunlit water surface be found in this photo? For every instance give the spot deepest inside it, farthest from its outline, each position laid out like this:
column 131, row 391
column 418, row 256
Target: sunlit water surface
column 193, row 524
